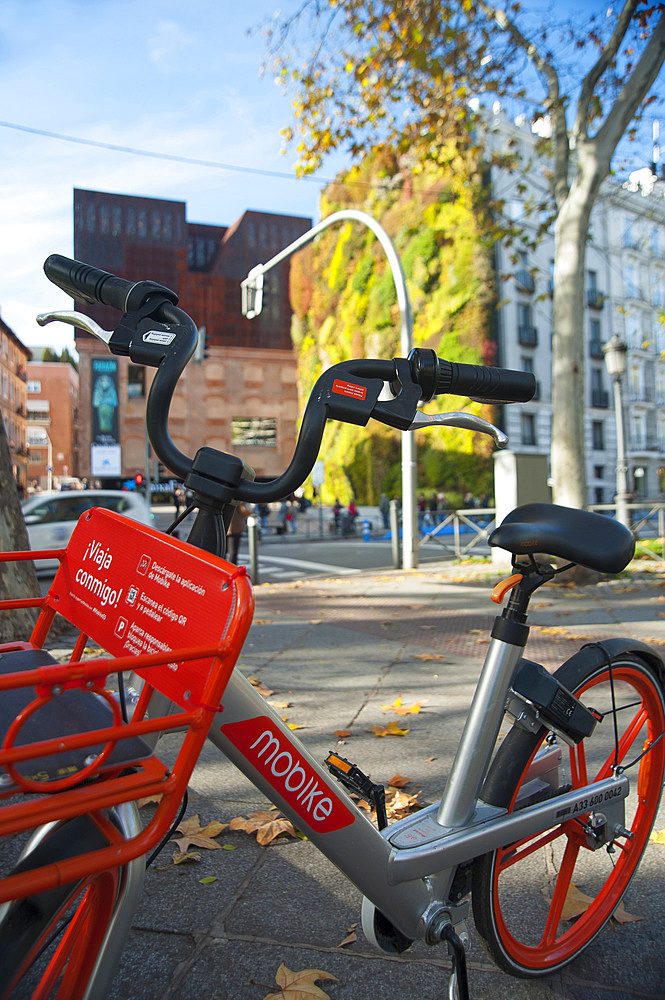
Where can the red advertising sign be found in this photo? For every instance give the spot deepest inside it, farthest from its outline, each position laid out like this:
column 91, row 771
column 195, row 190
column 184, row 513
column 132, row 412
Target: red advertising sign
column 135, row 590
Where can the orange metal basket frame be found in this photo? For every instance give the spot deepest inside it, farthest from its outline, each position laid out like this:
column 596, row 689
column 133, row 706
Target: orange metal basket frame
column 129, row 781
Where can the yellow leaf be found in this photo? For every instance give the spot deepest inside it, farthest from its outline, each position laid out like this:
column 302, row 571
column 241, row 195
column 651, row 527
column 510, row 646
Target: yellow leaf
column 399, row 709
column 208, row 880
column 658, row 836
column 429, row 656
column 392, row 729
column 299, row 985
column 180, row 856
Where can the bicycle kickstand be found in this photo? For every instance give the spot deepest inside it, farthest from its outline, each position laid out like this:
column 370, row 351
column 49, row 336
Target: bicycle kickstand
column 458, row 984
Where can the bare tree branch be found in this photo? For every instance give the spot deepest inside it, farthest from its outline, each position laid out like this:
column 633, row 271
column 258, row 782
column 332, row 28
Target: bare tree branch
column 633, row 91
column 595, row 73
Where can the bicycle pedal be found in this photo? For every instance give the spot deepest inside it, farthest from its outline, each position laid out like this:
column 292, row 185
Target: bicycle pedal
column 357, row 781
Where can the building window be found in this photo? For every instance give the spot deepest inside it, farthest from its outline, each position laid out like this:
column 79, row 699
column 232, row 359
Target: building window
column 90, row 218
column 526, row 332
column 598, row 435
column 104, row 219
column 116, row 225
column 254, row 432
column 156, row 226
column 135, row 381
column 595, row 342
column 599, row 395
column 142, row 226
column 168, row 225
column 131, row 222
column 529, row 429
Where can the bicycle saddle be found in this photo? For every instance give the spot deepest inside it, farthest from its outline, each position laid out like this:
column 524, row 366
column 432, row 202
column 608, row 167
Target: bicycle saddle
column 592, row 540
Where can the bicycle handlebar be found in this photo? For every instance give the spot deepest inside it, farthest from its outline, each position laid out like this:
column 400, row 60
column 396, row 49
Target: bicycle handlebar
column 90, row 284
column 153, row 331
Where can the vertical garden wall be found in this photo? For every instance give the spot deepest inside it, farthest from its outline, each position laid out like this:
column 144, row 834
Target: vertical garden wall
column 345, row 305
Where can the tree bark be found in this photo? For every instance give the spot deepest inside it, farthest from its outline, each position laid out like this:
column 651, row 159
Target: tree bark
column 17, row 579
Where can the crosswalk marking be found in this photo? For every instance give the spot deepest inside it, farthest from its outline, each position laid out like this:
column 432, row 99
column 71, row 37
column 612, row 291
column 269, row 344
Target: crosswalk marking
column 304, row 564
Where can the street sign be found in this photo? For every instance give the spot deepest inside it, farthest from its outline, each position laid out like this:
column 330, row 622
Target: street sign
column 318, row 473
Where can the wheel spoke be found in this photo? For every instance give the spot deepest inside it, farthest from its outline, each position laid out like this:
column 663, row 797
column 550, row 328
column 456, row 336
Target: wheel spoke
column 562, row 885
column 512, row 855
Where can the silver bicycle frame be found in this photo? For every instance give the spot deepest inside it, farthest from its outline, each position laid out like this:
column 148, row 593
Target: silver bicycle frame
column 407, row 869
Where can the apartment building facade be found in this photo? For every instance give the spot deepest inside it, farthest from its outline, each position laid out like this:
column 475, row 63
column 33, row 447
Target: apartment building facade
column 242, row 396
column 14, row 357
column 624, row 295
column 52, row 410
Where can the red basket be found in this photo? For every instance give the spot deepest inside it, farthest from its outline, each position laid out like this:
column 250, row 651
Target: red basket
column 171, row 613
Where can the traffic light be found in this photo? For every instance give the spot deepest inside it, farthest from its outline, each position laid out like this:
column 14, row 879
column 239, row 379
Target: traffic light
column 201, row 350
column 138, row 480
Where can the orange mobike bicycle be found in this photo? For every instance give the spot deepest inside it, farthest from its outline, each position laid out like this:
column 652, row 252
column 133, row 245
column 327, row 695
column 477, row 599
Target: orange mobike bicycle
column 579, row 774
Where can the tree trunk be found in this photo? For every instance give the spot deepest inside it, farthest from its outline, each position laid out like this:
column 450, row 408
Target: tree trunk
column 16, row 579
column 569, row 398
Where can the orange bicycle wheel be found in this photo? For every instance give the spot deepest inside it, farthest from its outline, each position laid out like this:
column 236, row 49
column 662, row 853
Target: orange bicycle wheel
column 537, row 903
column 49, row 942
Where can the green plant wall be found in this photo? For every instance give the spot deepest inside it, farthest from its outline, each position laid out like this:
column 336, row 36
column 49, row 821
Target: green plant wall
column 345, row 305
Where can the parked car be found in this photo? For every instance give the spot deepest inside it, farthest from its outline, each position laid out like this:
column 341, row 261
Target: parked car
column 51, row 517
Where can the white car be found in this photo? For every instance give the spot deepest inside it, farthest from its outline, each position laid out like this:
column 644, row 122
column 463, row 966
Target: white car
column 51, row 517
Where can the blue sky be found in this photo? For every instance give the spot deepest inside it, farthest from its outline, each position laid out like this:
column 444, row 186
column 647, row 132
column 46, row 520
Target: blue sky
column 173, row 77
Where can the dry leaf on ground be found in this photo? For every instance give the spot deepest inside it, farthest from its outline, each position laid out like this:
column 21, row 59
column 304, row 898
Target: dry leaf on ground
column 260, row 686
column 299, row 985
column 392, row 729
column 351, row 936
column 179, row 857
column 657, row 836
column 191, row 832
column 341, row 734
column 429, row 656
column 399, row 709
column 577, row 903
column 266, row 824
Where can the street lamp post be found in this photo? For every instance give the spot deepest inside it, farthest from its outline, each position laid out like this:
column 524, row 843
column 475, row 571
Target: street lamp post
column 615, row 362
column 252, row 300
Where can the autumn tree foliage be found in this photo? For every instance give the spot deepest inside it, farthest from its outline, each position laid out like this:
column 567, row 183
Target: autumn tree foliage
column 344, row 302
column 405, row 75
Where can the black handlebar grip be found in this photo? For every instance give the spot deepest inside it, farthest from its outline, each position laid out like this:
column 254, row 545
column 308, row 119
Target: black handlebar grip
column 497, row 385
column 86, row 283
column 90, row 284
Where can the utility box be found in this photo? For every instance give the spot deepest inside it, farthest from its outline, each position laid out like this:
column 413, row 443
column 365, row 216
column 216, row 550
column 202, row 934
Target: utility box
column 518, row 479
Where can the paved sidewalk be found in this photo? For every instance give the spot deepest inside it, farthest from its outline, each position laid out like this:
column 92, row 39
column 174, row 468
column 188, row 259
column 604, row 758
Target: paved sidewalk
column 337, row 650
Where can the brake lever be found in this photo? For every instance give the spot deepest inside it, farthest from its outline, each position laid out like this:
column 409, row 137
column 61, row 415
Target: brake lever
column 77, row 319
column 467, row 421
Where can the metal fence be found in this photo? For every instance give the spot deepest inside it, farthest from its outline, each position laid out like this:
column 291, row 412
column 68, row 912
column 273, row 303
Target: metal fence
column 463, row 531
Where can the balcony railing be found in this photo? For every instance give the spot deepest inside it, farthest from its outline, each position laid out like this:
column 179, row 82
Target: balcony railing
column 595, row 299
column 600, row 398
column 525, row 281
column 596, row 350
column 527, row 336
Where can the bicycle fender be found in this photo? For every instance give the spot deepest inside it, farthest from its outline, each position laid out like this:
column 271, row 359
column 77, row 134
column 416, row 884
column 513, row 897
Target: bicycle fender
column 595, row 654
